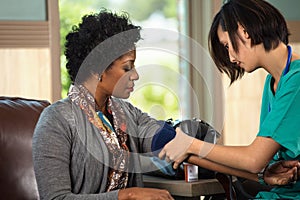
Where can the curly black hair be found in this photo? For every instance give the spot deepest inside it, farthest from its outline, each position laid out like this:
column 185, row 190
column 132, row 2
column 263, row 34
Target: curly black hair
column 97, row 41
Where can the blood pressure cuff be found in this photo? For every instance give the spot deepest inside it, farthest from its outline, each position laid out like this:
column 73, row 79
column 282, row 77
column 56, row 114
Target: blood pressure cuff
column 193, row 127
column 164, row 135
column 199, row 129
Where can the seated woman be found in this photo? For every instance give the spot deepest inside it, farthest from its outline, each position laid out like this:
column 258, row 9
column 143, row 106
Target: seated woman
column 86, row 146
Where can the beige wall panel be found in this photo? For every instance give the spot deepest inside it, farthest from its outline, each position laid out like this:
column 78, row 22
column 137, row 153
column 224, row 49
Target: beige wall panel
column 242, row 108
column 30, row 57
column 26, row 73
column 294, row 28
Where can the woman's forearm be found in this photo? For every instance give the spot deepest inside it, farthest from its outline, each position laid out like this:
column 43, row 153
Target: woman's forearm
column 202, row 162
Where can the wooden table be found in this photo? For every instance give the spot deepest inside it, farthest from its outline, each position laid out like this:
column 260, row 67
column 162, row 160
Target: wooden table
column 180, row 189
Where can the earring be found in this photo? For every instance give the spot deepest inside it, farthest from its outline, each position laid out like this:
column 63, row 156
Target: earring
column 100, row 77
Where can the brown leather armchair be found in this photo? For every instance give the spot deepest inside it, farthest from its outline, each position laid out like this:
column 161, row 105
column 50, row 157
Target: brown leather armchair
column 18, row 117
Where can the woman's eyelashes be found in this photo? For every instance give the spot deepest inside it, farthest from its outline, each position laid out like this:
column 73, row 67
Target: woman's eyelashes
column 226, row 46
column 128, row 68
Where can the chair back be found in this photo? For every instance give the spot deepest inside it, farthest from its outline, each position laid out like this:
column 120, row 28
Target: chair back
column 18, row 117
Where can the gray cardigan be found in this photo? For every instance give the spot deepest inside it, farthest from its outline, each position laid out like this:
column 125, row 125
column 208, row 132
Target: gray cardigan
column 70, row 158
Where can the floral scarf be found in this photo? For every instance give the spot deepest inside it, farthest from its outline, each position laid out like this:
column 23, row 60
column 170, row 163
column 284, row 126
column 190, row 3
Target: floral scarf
column 114, row 138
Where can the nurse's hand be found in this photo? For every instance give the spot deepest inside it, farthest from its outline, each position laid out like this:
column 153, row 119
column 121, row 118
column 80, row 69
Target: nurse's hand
column 282, row 172
column 177, row 150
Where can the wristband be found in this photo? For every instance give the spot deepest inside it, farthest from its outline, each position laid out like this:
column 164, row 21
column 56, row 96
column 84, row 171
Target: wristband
column 261, row 179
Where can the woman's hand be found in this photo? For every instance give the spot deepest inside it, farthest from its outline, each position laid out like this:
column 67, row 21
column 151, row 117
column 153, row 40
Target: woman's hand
column 177, row 149
column 136, row 193
column 282, row 172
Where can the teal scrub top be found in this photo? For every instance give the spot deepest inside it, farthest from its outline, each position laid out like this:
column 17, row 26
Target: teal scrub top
column 280, row 120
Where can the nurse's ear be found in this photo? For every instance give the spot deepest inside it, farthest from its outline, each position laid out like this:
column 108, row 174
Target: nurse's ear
column 244, row 36
column 242, row 32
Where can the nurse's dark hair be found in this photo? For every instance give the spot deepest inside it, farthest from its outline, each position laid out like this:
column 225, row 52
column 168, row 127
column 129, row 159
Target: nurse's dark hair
column 263, row 23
